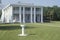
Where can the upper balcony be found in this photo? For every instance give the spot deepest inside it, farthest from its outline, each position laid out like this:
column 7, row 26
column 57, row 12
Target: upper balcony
column 26, row 12
column 38, row 12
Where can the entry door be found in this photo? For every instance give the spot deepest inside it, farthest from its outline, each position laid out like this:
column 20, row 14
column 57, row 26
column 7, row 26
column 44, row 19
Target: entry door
column 27, row 18
column 37, row 18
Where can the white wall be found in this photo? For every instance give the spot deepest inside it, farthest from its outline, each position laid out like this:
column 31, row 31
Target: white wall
column 2, row 16
column 7, row 15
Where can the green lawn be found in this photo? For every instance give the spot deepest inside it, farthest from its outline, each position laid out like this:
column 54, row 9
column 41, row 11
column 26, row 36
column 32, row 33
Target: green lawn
column 35, row 31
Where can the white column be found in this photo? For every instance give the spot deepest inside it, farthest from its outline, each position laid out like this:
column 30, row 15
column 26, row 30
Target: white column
column 11, row 11
column 34, row 15
column 3, row 16
column 23, row 14
column 41, row 14
column 31, row 15
column 20, row 14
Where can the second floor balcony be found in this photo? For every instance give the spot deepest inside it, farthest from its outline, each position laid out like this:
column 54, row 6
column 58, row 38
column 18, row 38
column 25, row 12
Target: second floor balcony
column 26, row 12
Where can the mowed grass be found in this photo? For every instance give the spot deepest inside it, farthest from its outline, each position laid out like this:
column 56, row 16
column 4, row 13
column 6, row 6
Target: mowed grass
column 35, row 31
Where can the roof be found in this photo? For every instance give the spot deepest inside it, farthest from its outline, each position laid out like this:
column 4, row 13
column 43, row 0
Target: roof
column 22, row 4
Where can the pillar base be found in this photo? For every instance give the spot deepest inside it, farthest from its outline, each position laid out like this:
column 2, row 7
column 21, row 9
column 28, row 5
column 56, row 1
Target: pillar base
column 22, row 34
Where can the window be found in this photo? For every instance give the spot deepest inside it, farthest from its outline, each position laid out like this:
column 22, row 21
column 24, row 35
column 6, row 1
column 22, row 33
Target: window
column 27, row 9
column 16, row 8
column 37, row 9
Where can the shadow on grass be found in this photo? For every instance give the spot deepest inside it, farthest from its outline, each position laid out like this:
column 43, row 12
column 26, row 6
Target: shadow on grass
column 14, row 27
column 32, row 34
column 9, row 27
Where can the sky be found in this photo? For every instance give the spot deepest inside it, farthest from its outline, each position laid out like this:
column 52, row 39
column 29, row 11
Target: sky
column 36, row 2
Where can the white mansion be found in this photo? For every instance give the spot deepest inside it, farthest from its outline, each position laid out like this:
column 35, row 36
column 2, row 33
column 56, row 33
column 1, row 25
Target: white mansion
column 22, row 12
